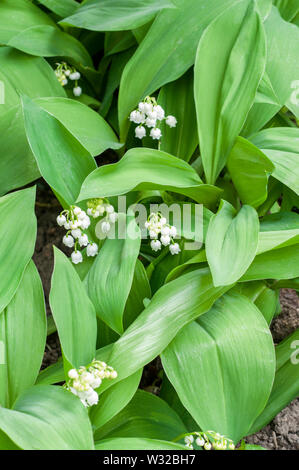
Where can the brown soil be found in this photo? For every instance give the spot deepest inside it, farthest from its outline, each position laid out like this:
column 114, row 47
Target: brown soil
column 282, row 433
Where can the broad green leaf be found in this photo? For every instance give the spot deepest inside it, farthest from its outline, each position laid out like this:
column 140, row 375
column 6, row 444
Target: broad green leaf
column 20, row 73
column 264, row 298
column 278, row 230
column 146, row 416
column 269, row 265
column 17, row 15
column 135, row 443
column 113, row 15
column 224, row 85
column 215, row 361
column 286, row 383
column 249, row 169
column 49, row 41
column 140, row 290
column 47, row 418
column 174, row 305
column 231, row 242
column 86, row 125
column 281, row 145
column 265, row 106
column 111, row 275
column 142, row 169
column 177, row 99
column 17, row 234
column 65, row 8
column 152, row 65
column 73, row 313
column 23, row 334
column 114, row 400
column 56, row 151
column 282, row 61
column 287, row 8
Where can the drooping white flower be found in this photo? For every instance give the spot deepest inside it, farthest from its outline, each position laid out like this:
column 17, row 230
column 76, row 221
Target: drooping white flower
column 165, row 230
column 76, row 233
column 75, row 76
column 68, row 241
column 83, row 240
column 141, row 107
column 148, row 107
column 77, row 90
column 137, row 117
column 113, row 217
column 73, row 374
column 77, row 257
column 77, row 210
column 109, row 208
column 67, row 225
column 140, row 132
column 207, row 446
column 85, row 223
column 171, row 121
column 160, row 112
column 174, row 248
column 156, row 245
column 92, row 249
column 173, row 231
column 105, row 226
column 150, row 123
column 61, row 220
column 165, row 240
column 156, row 133
column 200, row 441
column 152, row 114
column 92, row 398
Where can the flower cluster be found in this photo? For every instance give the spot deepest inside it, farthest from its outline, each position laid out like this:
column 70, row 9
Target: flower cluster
column 64, row 73
column 208, row 440
column 157, row 225
column 150, row 114
column 76, row 221
column 84, row 381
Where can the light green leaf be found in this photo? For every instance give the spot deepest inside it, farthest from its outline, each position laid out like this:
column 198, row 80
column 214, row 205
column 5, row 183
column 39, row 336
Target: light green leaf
column 135, row 443
column 264, row 298
column 110, row 278
column 47, row 418
column 73, row 313
column 140, row 290
column 287, row 8
column 231, row 242
column 114, row 400
column 113, row 15
column 215, row 361
column 224, row 85
column 153, row 66
column 141, row 169
column 282, row 61
column 269, row 266
column 249, row 169
column 146, row 416
column 23, row 334
column 65, row 8
column 17, row 246
column 178, row 100
column 286, row 383
column 278, row 230
column 56, row 151
column 49, row 41
column 16, row 15
column 86, row 125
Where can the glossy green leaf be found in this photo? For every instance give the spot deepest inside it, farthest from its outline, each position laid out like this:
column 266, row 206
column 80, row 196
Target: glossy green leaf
column 278, row 230
column 264, row 298
column 269, row 266
column 65, row 8
column 231, row 242
column 49, row 41
column 140, row 290
column 287, row 8
column 47, row 418
column 152, row 65
column 86, row 125
column 111, row 275
column 178, row 100
column 23, row 334
column 146, row 416
column 215, row 361
column 133, row 443
column 286, row 383
column 55, row 150
column 114, row 400
column 249, row 169
column 142, row 169
column 282, row 61
column 113, row 15
column 173, row 306
column 17, row 15
column 73, row 313
column 17, row 246
column 224, row 85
